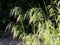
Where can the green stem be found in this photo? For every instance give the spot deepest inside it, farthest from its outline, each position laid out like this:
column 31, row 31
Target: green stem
column 47, row 16
column 34, row 28
column 23, row 27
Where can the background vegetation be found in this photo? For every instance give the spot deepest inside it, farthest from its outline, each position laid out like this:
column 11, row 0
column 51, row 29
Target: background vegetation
column 36, row 22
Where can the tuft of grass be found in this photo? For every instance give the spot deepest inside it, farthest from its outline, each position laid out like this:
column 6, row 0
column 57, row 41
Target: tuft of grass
column 36, row 27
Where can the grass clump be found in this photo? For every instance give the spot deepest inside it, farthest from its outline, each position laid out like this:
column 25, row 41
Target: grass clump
column 38, row 25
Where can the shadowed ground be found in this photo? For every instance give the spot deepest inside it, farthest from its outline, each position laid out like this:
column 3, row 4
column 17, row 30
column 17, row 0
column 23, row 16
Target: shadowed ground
column 6, row 41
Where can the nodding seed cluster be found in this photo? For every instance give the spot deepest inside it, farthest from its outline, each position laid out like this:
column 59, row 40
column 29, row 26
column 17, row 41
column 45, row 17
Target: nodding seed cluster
column 14, row 13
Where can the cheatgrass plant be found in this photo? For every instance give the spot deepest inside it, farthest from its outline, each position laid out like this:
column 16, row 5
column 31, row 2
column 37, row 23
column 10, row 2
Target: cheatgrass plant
column 39, row 26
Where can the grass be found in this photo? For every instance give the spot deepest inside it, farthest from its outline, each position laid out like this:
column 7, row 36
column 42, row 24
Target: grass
column 36, row 27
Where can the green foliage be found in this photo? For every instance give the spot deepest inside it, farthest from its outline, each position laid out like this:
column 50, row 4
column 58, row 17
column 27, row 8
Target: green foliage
column 36, row 24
